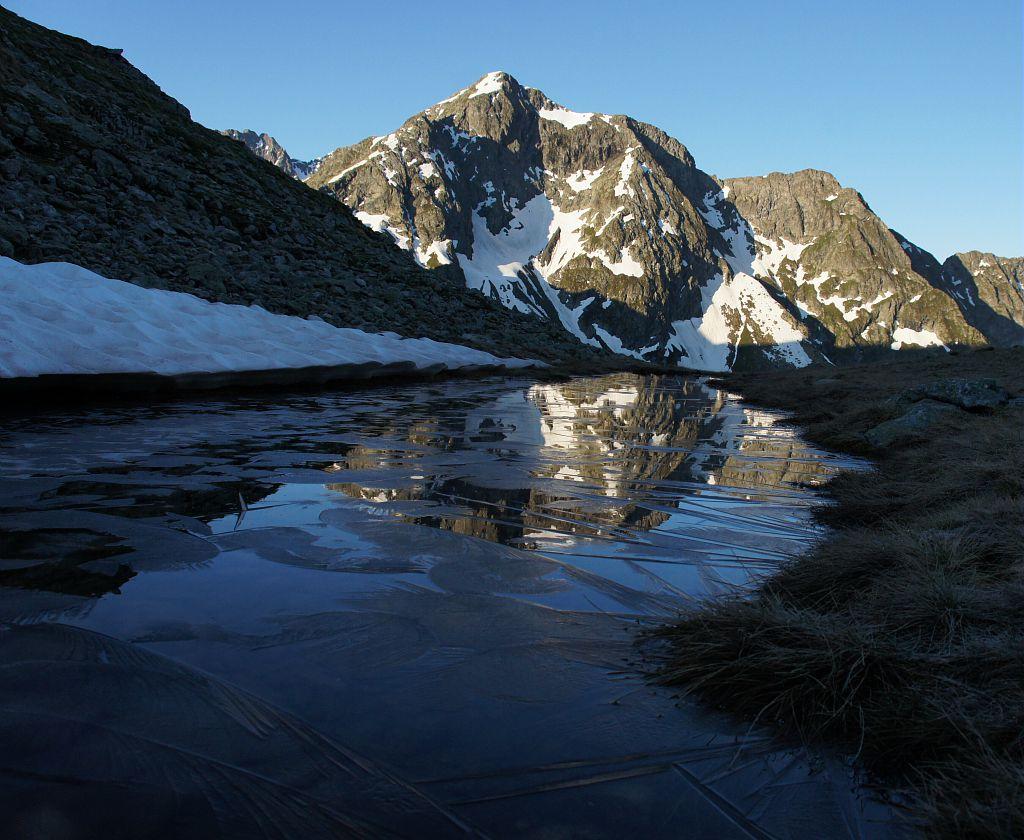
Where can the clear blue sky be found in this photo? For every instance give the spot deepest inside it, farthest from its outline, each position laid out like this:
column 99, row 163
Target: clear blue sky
column 916, row 104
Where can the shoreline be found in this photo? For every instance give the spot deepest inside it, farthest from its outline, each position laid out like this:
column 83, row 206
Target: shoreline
column 84, row 389
column 898, row 636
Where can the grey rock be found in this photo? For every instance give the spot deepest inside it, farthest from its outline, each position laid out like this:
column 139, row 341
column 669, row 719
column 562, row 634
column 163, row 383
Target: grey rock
column 915, row 423
column 11, row 167
column 970, row 394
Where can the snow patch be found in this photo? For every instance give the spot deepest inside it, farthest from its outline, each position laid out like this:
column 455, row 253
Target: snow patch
column 916, row 338
column 625, row 170
column 570, row 119
column 60, row 318
column 440, row 251
column 380, row 222
column 772, row 254
column 491, row 83
column 711, row 341
column 584, row 179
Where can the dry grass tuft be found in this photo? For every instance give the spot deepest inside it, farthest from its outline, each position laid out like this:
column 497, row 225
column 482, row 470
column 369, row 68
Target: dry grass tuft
column 901, row 634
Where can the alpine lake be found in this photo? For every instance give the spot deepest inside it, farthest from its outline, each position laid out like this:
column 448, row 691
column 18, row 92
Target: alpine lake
column 409, row 610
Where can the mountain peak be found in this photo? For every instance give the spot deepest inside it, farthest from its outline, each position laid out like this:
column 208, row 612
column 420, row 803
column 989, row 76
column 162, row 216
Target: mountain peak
column 494, row 81
column 265, row 146
column 606, row 226
column 497, row 81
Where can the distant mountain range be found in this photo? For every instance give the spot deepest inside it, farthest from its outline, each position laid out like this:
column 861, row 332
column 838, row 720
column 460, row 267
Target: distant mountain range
column 605, row 225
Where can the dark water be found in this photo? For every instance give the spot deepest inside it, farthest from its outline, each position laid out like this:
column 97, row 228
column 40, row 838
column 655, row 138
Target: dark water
column 404, row 611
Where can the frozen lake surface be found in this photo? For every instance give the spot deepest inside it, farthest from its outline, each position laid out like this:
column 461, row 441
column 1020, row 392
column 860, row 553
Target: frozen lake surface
column 403, row 611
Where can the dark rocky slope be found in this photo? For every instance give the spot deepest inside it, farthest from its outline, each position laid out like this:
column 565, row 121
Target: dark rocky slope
column 99, row 167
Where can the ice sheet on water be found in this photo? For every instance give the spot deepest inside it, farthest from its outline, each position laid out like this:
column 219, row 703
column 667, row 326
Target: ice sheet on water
column 401, row 568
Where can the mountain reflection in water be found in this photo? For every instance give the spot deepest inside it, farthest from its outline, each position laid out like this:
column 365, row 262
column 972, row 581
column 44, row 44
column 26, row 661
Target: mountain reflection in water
column 402, row 611
column 646, row 471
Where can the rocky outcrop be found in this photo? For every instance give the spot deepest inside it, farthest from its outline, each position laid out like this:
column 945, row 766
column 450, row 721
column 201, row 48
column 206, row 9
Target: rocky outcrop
column 850, row 277
column 916, row 423
column 972, row 394
column 100, row 168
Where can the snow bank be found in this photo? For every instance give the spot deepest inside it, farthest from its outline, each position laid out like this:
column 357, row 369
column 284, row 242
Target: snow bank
column 60, row 318
column 902, row 336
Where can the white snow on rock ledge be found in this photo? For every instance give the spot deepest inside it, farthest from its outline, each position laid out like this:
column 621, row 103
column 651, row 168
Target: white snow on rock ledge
column 60, row 318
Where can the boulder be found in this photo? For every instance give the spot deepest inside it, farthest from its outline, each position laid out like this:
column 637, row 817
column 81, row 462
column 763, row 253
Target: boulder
column 914, row 423
column 970, row 394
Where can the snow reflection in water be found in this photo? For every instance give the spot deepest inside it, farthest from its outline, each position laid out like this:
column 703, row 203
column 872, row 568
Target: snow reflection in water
column 439, row 581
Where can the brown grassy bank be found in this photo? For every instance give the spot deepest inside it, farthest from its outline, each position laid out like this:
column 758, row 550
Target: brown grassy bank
column 900, row 635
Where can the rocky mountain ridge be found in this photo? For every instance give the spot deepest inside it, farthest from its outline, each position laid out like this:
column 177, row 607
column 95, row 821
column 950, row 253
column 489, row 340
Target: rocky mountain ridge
column 990, row 293
column 605, row 225
column 266, row 147
column 576, row 234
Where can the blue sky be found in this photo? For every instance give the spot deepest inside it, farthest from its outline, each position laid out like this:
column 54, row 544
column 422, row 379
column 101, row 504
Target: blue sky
column 916, row 104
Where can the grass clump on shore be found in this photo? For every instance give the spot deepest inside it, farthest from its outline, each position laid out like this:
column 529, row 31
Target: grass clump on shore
column 899, row 635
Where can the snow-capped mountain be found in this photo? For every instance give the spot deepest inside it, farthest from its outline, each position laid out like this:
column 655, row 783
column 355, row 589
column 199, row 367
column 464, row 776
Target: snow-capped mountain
column 597, row 221
column 266, row 147
column 606, row 225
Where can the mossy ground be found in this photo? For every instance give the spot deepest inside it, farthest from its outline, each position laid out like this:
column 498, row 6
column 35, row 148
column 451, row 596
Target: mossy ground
column 900, row 635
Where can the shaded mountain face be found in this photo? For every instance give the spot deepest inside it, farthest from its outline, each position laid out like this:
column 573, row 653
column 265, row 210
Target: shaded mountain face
column 605, row 225
column 990, row 293
column 266, row 147
column 100, row 168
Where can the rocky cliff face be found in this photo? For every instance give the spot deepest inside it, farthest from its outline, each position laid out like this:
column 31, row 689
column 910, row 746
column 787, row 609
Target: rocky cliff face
column 990, row 293
column 266, row 147
column 851, row 279
column 99, row 167
column 606, row 225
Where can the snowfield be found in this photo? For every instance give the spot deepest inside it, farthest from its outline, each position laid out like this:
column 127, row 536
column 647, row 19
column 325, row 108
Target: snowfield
column 60, row 318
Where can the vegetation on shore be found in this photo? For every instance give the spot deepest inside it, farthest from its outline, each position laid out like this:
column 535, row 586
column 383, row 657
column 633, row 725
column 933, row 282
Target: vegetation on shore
column 900, row 634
